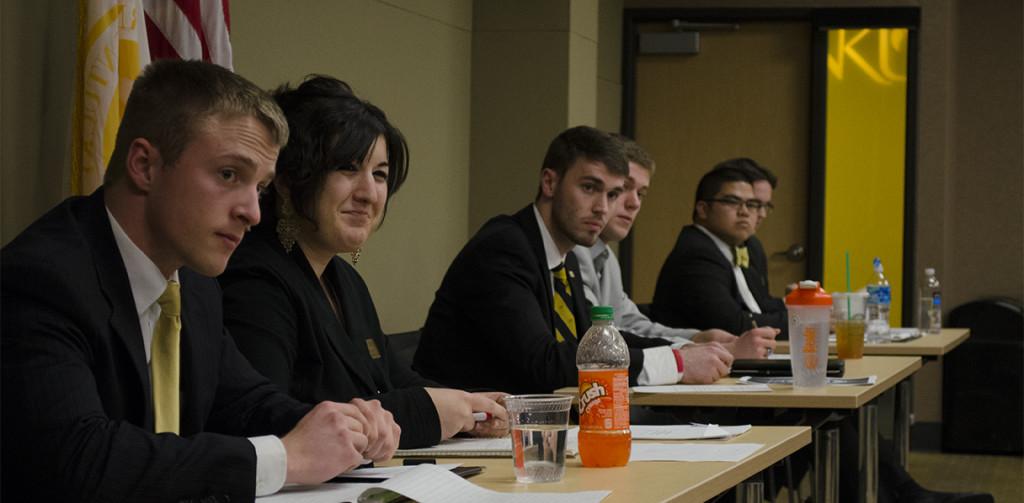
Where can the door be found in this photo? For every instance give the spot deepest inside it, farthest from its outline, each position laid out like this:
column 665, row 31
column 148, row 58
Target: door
column 744, row 95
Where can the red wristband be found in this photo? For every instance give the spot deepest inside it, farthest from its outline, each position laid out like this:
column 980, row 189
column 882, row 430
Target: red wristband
column 679, row 360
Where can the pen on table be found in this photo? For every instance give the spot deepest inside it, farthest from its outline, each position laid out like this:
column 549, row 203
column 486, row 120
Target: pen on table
column 481, row 416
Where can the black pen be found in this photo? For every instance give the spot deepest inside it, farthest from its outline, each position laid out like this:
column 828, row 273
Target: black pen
column 753, row 324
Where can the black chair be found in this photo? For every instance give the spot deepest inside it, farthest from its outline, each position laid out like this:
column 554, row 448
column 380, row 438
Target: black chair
column 982, row 380
column 404, row 345
column 645, row 309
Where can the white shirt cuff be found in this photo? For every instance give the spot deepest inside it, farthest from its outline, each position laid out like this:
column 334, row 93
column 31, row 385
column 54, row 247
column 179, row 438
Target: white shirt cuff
column 271, row 464
column 659, row 367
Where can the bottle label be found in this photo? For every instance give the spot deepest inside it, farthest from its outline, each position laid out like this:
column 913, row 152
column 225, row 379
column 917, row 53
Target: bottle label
column 878, row 294
column 936, row 300
column 604, row 400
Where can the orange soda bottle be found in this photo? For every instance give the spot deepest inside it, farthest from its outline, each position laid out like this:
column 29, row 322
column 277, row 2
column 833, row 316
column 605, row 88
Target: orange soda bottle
column 603, row 362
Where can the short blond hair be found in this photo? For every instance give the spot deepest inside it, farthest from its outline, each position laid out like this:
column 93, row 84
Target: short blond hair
column 172, row 100
column 636, row 153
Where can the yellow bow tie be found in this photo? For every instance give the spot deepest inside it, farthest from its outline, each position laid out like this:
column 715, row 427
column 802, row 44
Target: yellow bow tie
column 741, row 257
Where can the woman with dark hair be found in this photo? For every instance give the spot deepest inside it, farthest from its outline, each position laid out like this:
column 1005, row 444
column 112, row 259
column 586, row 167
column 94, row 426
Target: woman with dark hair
column 302, row 315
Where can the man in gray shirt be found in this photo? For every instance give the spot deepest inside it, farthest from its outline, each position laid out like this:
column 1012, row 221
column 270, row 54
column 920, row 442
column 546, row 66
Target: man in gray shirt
column 602, row 277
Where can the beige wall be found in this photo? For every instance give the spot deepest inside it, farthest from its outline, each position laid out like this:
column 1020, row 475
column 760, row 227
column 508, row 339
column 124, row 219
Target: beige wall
column 536, row 71
column 411, row 58
column 35, row 100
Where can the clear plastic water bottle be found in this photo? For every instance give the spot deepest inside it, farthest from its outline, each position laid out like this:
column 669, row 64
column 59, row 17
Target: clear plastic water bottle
column 879, row 299
column 603, row 362
column 930, row 307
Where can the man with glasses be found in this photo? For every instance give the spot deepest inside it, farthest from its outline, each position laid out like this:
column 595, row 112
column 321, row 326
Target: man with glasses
column 764, row 183
column 706, row 281
column 602, row 282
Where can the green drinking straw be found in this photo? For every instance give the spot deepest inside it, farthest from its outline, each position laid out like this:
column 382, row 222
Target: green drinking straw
column 848, row 308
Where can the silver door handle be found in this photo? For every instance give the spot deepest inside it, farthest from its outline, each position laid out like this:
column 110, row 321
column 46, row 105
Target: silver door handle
column 795, row 253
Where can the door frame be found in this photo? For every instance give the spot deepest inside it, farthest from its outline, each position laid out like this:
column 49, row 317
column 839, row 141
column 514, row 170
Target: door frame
column 821, row 19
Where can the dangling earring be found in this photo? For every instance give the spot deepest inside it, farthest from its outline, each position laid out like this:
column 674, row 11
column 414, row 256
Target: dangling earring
column 355, row 255
column 287, row 223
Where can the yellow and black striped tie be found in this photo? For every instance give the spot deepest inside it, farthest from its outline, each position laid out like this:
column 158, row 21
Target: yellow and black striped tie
column 565, row 321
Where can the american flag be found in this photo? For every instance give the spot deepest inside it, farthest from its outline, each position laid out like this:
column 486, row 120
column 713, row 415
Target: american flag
column 189, row 29
column 118, row 38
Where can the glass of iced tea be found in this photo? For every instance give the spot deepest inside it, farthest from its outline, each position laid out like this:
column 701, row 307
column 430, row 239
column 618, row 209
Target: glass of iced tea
column 848, row 310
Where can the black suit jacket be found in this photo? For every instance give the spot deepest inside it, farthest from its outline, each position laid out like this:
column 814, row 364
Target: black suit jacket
column 696, row 288
column 77, row 414
column 281, row 320
column 757, row 277
column 492, row 323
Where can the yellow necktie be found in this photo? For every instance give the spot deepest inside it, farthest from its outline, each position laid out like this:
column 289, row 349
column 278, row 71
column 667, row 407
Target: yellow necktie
column 166, row 360
column 565, row 321
column 741, row 257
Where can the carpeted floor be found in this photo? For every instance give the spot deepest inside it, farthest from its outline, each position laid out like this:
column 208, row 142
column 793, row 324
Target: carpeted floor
column 1003, row 476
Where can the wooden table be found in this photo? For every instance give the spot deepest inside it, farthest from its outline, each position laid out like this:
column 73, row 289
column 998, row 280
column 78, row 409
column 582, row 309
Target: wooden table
column 889, row 371
column 652, row 481
column 853, row 400
column 927, row 346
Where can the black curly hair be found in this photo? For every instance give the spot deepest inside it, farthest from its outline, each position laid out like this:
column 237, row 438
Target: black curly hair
column 331, row 127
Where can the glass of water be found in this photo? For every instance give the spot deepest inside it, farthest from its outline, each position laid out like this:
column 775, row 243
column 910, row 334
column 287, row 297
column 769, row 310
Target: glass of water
column 539, row 427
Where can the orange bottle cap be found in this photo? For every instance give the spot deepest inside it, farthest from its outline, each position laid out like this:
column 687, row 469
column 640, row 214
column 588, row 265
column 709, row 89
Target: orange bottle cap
column 809, row 293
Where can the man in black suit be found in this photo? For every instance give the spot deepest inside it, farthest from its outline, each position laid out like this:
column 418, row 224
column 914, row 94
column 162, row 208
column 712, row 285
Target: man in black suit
column 497, row 322
column 119, row 382
column 707, row 280
column 764, row 182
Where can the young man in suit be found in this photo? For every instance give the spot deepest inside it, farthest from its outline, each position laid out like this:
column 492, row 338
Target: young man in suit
column 602, row 276
column 764, row 182
column 119, row 382
column 510, row 310
column 706, row 279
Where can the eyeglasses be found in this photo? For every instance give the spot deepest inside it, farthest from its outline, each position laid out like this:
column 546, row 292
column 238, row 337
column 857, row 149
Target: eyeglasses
column 754, row 205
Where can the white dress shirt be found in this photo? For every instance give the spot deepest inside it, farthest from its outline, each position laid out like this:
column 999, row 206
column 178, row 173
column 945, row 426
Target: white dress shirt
column 741, row 281
column 659, row 362
column 148, row 284
column 602, row 283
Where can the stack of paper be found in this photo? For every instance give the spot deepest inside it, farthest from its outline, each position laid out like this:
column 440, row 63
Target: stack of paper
column 425, row 484
column 692, row 452
column 699, row 388
column 686, row 431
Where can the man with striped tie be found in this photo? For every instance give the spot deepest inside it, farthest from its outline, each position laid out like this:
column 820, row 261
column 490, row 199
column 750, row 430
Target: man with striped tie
column 511, row 308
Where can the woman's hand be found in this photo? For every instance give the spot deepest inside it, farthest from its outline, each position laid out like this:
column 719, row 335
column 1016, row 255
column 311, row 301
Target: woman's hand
column 455, row 410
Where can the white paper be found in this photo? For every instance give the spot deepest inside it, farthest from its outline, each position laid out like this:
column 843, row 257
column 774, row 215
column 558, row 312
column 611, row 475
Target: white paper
column 702, row 388
column 323, row 493
column 777, row 356
column 430, row 484
column 425, row 484
column 685, row 431
column 692, row 452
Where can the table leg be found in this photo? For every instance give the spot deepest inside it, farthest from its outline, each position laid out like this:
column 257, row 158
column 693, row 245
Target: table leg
column 826, row 465
column 750, row 490
column 903, row 420
column 867, row 453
